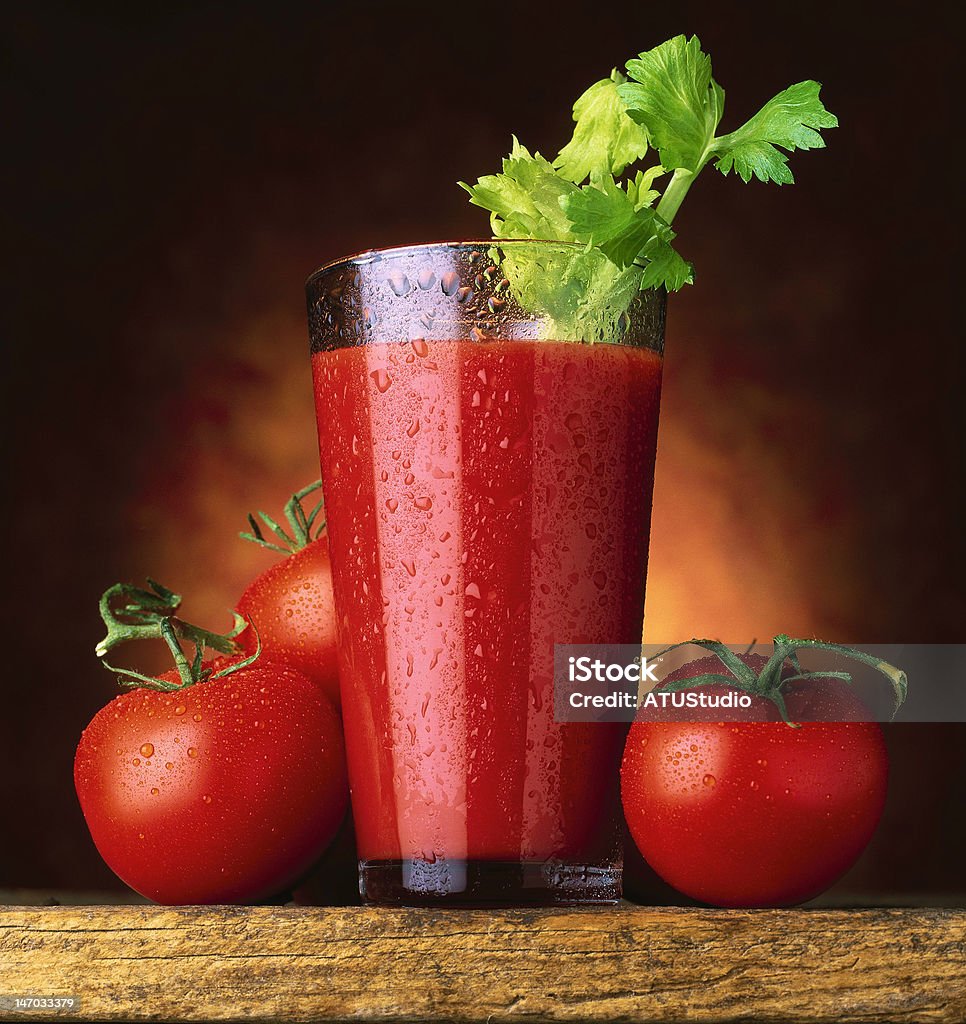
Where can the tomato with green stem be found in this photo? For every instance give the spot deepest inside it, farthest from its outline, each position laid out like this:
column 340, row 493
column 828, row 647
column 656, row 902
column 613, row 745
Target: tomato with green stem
column 218, row 782
column 757, row 811
column 291, row 604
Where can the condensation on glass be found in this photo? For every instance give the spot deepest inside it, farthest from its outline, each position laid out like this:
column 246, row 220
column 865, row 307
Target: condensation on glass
column 487, row 418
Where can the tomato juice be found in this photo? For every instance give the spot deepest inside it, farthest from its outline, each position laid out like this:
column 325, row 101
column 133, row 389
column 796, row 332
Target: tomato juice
column 484, row 499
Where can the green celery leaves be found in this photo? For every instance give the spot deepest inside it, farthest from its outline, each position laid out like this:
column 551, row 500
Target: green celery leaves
column 670, row 103
column 605, row 138
column 790, row 120
column 674, row 98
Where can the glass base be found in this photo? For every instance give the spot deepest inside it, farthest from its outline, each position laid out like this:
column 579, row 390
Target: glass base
column 482, row 883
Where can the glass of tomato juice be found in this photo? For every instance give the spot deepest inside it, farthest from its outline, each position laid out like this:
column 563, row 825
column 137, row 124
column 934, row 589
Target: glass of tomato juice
column 487, row 419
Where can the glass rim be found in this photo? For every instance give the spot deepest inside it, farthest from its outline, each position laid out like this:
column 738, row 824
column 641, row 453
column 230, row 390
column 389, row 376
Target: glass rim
column 364, row 256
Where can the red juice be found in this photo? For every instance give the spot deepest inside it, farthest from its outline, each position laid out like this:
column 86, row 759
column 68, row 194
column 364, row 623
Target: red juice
column 484, row 500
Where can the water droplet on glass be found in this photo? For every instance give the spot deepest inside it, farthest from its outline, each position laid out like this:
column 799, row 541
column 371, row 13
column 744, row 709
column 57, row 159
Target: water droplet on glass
column 382, row 380
column 399, row 283
column 574, row 421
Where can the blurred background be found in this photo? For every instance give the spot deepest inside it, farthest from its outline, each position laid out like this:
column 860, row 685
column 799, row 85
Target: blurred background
column 175, row 171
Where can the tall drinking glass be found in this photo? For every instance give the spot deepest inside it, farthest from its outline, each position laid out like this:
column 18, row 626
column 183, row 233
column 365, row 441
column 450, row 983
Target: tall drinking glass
column 487, row 417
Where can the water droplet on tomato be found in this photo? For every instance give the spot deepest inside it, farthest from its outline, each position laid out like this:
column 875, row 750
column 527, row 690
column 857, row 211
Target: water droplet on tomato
column 136, row 762
column 180, row 710
column 196, row 718
column 709, row 780
column 206, row 798
column 155, row 791
column 192, row 752
column 168, row 765
column 147, row 749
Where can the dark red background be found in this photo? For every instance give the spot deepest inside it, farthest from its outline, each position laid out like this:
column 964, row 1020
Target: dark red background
column 177, row 170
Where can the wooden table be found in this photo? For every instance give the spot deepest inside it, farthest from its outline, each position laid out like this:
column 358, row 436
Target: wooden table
column 624, row 963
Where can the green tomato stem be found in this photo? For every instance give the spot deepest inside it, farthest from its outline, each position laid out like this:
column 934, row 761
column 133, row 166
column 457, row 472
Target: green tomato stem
column 149, row 615
column 304, row 527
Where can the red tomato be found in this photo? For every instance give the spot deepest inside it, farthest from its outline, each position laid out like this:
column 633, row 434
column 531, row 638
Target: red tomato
column 291, row 607
column 223, row 792
column 747, row 814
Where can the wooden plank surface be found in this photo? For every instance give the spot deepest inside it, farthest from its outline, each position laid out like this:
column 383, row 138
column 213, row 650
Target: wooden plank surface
column 372, row 964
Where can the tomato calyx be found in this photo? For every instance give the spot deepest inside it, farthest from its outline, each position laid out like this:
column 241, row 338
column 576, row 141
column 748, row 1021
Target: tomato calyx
column 150, row 615
column 304, row 526
column 771, row 681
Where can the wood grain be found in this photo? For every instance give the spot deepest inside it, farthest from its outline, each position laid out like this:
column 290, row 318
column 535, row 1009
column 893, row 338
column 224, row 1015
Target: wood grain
column 371, row 964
